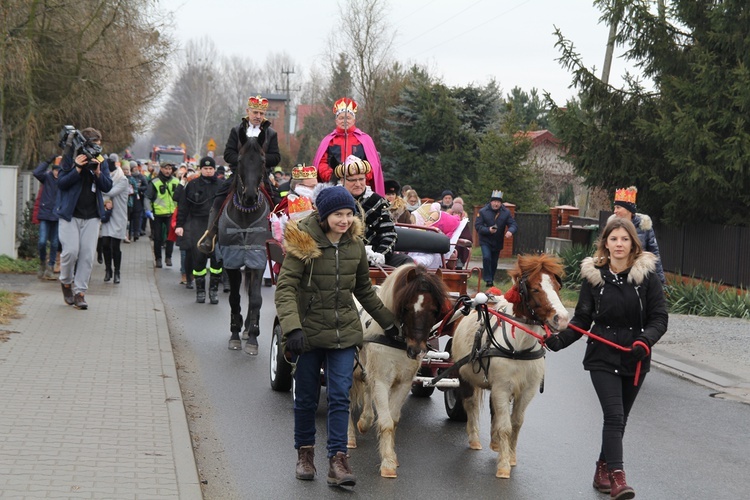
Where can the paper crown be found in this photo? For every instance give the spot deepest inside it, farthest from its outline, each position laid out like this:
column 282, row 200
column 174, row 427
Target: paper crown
column 352, row 166
column 257, row 102
column 299, row 207
column 626, row 195
column 304, row 172
column 345, row 104
column 496, row 195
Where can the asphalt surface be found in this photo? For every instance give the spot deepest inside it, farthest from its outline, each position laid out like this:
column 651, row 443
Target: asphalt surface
column 92, row 406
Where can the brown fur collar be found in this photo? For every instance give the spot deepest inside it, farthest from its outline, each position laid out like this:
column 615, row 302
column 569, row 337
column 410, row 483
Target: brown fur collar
column 637, row 274
column 305, row 238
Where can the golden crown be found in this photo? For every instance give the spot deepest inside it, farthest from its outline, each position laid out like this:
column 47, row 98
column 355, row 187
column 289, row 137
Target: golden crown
column 304, row 172
column 257, row 102
column 352, row 168
column 345, row 104
column 627, row 194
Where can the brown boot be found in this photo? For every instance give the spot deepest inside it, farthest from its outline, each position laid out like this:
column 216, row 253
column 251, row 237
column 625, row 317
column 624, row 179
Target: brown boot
column 339, row 473
column 601, row 477
column 67, row 294
column 79, row 302
column 620, row 489
column 305, row 463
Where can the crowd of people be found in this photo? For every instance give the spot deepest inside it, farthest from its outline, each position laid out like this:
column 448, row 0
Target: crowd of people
column 341, row 213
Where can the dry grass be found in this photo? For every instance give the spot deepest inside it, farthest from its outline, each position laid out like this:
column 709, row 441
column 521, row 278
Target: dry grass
column 9, row 302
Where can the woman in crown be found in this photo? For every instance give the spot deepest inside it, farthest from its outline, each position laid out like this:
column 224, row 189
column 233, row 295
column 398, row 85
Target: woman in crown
column 346, row 140
column 625, row 208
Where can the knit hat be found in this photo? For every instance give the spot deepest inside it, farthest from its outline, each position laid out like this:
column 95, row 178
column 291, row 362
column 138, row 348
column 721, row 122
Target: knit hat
column 626, row 198
column 332, row 199
column 220, row 169
column 133, row 164
column 207, row 161
column 447, row 192
column 457, row 207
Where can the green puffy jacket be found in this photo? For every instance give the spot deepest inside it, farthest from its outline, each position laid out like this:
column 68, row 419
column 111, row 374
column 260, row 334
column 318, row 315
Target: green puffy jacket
column 318, row 282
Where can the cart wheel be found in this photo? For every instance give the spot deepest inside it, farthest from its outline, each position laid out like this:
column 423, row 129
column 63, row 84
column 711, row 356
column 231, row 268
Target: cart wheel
column 419, row 390
column 454, row 406
column 281, row 370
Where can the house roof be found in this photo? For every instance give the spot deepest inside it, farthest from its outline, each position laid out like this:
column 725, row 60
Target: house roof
column 539, row 137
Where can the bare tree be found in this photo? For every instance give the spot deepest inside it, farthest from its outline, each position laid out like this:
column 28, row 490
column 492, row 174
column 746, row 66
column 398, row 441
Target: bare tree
column 367, row 39
column 195, row 101
column 84, row 62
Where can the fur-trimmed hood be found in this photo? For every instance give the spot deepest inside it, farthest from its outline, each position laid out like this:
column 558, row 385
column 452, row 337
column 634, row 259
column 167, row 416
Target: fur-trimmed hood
column 637, row 274
column 305, row 238
column 640, row 221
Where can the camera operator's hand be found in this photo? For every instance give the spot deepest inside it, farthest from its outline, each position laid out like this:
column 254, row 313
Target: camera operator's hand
column 81, row 160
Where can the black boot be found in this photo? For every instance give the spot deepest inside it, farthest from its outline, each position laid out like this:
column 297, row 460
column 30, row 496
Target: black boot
column 200, row 289
column 107, row 274
column 235, row 326
column 117, row 277
column 213, row 288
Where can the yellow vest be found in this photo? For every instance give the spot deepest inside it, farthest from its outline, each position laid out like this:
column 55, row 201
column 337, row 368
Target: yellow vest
column 164, row 204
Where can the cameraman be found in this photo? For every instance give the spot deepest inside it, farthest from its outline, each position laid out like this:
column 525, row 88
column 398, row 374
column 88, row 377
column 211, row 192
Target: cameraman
column 84, row 176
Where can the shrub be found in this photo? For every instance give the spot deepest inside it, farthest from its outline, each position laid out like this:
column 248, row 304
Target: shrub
column 572, row 258
column 703, row 299
column 29, row 235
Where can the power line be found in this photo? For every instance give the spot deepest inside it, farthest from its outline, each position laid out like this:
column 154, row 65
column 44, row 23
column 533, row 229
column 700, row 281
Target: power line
column 471, row 30
column 437, row 25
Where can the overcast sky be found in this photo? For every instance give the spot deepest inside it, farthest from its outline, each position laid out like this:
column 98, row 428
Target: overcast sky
column 467, row 41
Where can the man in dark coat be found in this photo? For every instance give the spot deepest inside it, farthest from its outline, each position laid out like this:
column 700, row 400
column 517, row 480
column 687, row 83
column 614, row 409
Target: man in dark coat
column 251, row 126
column 192, row 220
column 494, row 224
column 48, row 220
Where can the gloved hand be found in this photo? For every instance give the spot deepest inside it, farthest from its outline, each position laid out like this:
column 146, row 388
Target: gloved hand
column 150, row 214
column 392, row 332
column 638, row 351
column 295, row 341
column 375, row 258
column 554, row 343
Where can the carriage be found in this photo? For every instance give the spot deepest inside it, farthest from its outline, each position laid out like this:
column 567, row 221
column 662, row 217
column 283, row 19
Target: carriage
column 410, row 238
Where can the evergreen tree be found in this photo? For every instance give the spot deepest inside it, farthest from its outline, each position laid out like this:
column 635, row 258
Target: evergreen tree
column 686, row 146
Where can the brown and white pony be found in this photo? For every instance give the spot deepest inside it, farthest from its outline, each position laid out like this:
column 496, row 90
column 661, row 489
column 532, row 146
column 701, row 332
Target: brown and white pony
column 419, row 299
column 511, row 363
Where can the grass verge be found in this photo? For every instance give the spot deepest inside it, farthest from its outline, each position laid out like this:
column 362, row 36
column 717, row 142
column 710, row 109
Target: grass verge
column 18, row 266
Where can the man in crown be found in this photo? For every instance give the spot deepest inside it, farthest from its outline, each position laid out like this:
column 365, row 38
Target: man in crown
column 625, row 208
column 494, row 224
column 372, row 209
column 251, row 126
column 345, row 140
column 298, row 202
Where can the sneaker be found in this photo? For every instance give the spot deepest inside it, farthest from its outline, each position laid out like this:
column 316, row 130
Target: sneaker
column 80, row 302
column 339, row 473
column 157, row 264
column 168, row 262
column 67, row 294
column 49, row 273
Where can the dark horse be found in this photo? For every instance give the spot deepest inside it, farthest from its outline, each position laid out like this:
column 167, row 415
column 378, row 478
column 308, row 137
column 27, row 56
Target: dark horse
column 419, row 299
column 242, row 232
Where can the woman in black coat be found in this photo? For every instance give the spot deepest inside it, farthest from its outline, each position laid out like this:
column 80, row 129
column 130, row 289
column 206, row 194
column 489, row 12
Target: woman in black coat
column 621, row 296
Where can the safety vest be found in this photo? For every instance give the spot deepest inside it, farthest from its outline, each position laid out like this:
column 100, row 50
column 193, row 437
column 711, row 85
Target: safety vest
column 164, row 204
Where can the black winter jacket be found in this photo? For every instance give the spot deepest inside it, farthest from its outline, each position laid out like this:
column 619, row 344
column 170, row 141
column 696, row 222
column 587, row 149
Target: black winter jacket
column 487, row 218
column 270, row 145
column 623, row 308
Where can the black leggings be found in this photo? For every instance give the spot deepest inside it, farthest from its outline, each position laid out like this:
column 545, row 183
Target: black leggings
column 112, row 252
column 616, row 396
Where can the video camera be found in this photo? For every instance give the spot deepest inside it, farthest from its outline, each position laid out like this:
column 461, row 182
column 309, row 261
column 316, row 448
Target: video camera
column 81, row 145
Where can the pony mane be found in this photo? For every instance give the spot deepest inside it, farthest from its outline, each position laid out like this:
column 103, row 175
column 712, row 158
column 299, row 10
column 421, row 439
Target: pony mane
column 398, row 288
column 528, row 265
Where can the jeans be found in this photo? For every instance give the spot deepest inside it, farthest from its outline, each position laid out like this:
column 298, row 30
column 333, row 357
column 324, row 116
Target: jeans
column 489, row 262
column 48, row 232
column 616, row 396
column 339, row 367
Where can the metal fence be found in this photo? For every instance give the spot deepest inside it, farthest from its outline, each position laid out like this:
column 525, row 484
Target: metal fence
column 533, row 230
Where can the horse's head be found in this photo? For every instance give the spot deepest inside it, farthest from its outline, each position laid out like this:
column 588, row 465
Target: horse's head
column 538, row 279
column 251, row 168
column 418, row 299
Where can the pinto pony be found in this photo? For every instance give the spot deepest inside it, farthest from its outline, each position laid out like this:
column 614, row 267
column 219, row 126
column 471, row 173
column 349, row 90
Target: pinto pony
column 419, row 299
column 509, row 362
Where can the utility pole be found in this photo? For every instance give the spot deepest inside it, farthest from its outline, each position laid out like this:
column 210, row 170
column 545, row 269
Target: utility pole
column 287, row 103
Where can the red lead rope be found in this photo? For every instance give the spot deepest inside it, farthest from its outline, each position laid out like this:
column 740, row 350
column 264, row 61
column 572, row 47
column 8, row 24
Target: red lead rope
column 616, row 346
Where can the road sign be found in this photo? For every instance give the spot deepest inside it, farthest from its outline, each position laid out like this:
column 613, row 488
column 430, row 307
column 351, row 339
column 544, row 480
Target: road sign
column 211, row 145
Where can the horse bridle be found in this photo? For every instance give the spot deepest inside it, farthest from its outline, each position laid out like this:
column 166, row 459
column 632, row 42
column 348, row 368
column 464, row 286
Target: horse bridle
column 526, row 297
